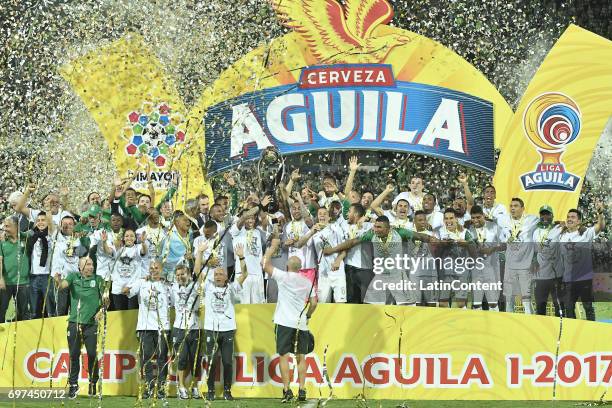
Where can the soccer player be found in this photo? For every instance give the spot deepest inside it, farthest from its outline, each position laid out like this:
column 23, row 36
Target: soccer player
column 14, row 271
column 153, row 327
column 454, row 249
column 296, row 304
column 489, row 240
column 577, row 260
column 387, row 243
column 215, row 249
column 245, row 233
column 105, row 247
column 358, row 265
column 426, row 273
column 86, row 297
column 415, row 195
column 519, row 255
column 434, row 218
column 153, row 234
column 127, row 267
column 493, row 211
column 186, row 330
column 220, row 320
column 331, row 278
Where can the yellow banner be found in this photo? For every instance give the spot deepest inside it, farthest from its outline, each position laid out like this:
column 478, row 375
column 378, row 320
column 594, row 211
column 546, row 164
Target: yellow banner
column 549, row 143
column 410, row 353
column 140, row 114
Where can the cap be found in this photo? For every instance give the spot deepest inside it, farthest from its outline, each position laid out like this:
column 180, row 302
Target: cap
column 67, row 214
column 547, row 208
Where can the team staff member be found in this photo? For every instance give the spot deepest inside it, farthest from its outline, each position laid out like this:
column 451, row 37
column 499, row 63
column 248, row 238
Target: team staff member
column 294, row 292
column 219, row 319
column 14, row 271
column 549, row 269
column 86, row 297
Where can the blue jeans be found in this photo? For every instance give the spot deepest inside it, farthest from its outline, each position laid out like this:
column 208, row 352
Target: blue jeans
column 41, row 286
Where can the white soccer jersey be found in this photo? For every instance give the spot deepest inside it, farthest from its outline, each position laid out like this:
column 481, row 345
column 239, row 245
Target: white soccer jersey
column 354, row 256
column 519, row 252
column 103, row 260
column 489, row 235
column 295, row 230
column 66, row 254
column 219, row 314
column 396, row 222
column 326, row 238
column 498, row 214
column 186, row 302
column 153, row 303
column 435, row 219
column 127, row 267
column 155, row 237
column 252, row 243
column 577, row 255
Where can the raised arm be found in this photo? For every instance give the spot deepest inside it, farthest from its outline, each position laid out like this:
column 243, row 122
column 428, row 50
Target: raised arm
column 601, row 219
column 381, row 197
column 107, row 250
column 245, row 215
column 303, row 240
column 295, row 176
column 197, row 267
column 144, row 248
column 466, row 190
column 239, row 251
column 306, row 216
column 345, row 246
column 22, row 206
column 267, row 266
column 353, row 167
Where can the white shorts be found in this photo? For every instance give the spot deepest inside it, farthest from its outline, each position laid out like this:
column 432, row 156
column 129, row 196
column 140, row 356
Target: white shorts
column 518, row 277
column 486, row 275
column 332, row 283
column 252, row 290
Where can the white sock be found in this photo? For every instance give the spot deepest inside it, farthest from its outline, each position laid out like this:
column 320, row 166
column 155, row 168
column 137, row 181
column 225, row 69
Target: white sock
column 477, row 305
column 510, row 306
column 494, row 309
column 527, row 306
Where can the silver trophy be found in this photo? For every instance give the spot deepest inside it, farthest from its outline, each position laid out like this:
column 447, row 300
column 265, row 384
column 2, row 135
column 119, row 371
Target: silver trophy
column 270, row 170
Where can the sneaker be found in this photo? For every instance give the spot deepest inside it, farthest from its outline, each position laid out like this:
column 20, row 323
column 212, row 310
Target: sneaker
column 161, row 392
column 182, row 393
column 92, row 389
column 146, row 394
column 195, row 393
column 210, row 395
column 302, row 395
column 73, row 391
column 287, row 396
column 227, row 395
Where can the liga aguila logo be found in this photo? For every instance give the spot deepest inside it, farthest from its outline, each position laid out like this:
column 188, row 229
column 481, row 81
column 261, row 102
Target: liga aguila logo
column 551, row 122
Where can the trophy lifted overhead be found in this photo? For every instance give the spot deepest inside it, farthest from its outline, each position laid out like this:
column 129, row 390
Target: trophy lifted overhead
column 270, row 170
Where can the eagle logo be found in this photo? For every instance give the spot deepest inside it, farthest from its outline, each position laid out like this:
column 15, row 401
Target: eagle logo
column 336, row 34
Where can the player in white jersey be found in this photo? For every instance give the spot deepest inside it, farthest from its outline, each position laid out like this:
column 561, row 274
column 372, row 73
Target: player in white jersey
column 549, row 268
column 215, row 249
column 398, row 216
column 426, row 273
column 126, row 268
column 245, row 232
column 519, row 255
column 153, row 327
column 154, row 235
column 186, row 330
column 434, row 218
column 331, row 279
column 220, row 319
column 576, row 251
column 294, row 231
column 489, row 242
column 454, row 251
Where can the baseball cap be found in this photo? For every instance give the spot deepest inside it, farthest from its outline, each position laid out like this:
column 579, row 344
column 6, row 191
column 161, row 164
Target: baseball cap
column 547, row 208
column 401, row 196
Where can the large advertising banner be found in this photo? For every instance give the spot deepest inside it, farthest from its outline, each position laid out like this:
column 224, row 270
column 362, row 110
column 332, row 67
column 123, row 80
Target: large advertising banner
column 410, row 353
column 548, row 145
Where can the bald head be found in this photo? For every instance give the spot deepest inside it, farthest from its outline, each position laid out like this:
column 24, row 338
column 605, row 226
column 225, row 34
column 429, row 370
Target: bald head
column 294, row 264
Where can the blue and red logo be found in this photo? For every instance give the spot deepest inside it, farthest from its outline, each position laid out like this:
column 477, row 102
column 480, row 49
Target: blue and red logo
column 551, row 122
